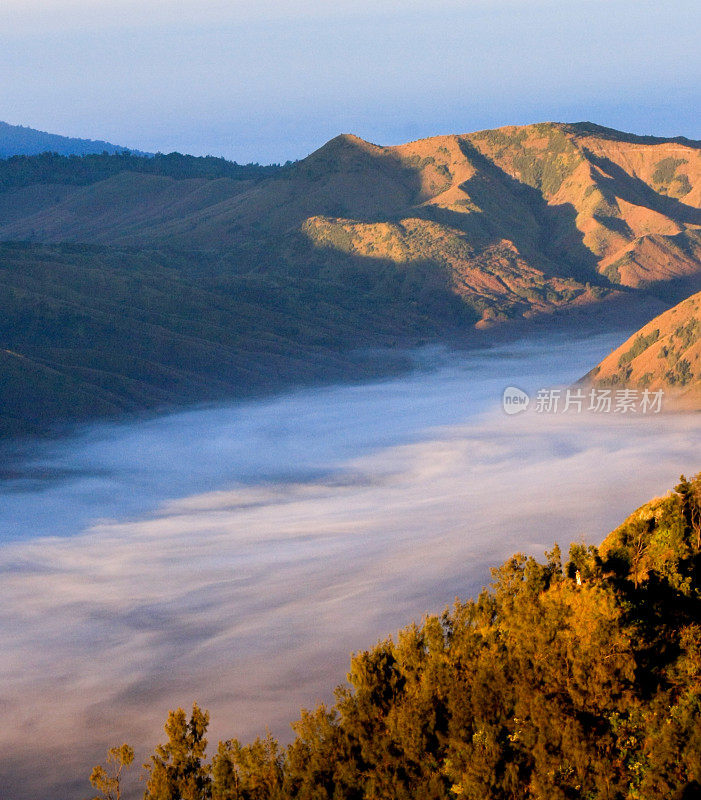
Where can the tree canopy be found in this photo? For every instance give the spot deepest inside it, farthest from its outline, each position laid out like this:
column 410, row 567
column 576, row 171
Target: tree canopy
column 52, row 168
column 560, row 681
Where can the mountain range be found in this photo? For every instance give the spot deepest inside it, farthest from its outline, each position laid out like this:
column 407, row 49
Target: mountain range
column 20, row 140
column 514, row 221
column 134, row 282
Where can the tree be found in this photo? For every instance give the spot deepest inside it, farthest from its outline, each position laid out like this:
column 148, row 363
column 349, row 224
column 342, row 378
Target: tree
column 177, row 770
column 107, row 779
column 690, row 495
column 247, row 772
column 639, row 544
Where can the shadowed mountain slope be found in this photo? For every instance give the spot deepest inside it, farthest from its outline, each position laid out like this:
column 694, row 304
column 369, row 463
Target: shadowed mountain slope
column 91, row 331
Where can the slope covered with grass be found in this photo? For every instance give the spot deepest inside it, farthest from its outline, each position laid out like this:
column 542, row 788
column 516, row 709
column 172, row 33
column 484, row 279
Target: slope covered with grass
column 90, row 331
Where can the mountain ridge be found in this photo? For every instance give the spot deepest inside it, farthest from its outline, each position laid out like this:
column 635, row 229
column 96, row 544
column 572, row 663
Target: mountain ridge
column 23, row 140
column 414, row 242
column 568, row 204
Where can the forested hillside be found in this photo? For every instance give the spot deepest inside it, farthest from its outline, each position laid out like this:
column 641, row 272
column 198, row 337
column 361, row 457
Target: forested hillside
column 89, row 331
column 59, row 170
column 564, row 679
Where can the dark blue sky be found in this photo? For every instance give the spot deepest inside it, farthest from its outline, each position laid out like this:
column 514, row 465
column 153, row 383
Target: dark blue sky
column 268, row 81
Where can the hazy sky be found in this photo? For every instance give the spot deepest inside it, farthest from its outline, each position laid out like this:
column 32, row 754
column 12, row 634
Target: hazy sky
column 274, row 80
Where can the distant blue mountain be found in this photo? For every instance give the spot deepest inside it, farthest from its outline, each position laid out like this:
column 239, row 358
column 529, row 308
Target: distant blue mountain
column 18, row 140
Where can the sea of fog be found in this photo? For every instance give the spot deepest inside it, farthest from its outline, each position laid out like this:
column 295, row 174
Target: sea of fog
column 236, row 555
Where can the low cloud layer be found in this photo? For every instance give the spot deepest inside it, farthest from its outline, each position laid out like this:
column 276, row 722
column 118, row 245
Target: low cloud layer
column 248, row 595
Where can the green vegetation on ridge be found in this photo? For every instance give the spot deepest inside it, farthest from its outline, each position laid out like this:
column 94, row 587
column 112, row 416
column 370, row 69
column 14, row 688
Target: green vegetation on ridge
column 52, row 168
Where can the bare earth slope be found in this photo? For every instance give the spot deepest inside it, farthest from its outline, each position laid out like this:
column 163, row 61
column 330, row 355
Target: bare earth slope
column 516, row 222
column 665, row 354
